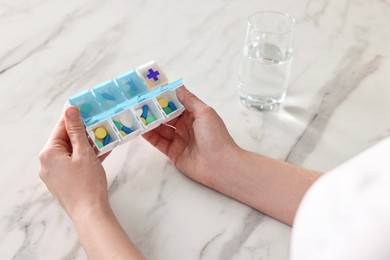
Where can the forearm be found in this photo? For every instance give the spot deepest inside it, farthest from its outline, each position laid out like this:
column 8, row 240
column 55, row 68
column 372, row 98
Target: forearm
column 273, row 187
column 102, row 237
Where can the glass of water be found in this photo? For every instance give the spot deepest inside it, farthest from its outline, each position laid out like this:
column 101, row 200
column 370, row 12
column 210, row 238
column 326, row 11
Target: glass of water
column 266, row 63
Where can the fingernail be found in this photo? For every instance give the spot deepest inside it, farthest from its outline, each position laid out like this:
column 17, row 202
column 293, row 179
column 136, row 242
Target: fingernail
column 72, row 113
column 180, row 92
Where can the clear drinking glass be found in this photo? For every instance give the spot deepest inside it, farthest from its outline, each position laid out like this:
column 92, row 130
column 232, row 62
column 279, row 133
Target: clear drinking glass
column 266, row 63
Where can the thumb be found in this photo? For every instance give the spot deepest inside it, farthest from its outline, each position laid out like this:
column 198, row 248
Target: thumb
column 75, row 129
column 192, row 103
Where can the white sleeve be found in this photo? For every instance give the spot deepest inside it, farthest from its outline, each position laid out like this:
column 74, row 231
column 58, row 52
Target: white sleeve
column 346, row 213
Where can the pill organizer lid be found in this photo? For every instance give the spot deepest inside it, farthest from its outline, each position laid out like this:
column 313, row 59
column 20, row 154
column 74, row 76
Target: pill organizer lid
column 131, row 84
column 157, row 91
column 87, row 104
column 111, row 88
column 132, row 102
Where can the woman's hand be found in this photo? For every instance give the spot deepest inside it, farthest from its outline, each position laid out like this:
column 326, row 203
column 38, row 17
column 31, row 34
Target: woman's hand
column 70, row 168
column 75, row 176
column 200, row 146
column 197, row 142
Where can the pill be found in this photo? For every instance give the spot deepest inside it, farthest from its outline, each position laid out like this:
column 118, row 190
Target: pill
column 150, row 119
column 84, row 115
column 100, row 133
column 106, row 140
column 139, row 111
column 122, row 133
column 86, row 108
column 118, row 125
column 125, row 120
column 127, row 130
column 167, row 110
column 143, row 120
column 99, row 143
column 172, row 105
column 92, row 135
column 163, row 102
column 108, row 96
column 105, row 104
column 145, row 110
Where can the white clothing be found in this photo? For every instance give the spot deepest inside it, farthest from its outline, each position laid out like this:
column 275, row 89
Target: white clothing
column 345, row 215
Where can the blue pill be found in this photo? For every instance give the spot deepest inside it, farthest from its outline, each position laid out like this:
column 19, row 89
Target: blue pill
column 106, row 140
column 145, row 110
column 172, row 105
column 86, row 108
column 127, row 130
column 84, row 115
column 108, row 96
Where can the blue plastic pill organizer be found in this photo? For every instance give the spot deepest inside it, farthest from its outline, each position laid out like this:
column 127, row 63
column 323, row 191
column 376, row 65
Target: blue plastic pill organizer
column 121, row 105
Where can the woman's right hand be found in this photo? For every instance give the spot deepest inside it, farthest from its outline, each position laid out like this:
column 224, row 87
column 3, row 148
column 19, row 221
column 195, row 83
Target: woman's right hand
column 201, row 147
column 197, row 141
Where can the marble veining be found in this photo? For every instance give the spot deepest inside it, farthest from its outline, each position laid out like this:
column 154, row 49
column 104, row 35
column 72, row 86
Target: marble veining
column 335, row 108
column 333, row 93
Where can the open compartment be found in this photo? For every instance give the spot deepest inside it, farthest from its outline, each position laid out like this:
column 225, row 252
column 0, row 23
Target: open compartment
column 127, row 124
column 170, row 104
column 103, row 136
column 149, row 114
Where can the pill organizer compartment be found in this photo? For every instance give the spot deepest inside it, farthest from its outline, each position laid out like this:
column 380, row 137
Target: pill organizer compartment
column 87, row 104
column 131, row 84
column 108, row 94
column 170, row 96
column 113, row 99
column 153, row 110
column 152, row 75
column 126, row 120
column 108, row 125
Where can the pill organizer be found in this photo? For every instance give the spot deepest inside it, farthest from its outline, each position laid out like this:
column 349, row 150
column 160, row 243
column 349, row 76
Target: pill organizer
column 131, row 104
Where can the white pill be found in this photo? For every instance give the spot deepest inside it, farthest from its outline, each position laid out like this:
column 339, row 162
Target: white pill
column 139, row 111
column 125, row 120
column 92, row 135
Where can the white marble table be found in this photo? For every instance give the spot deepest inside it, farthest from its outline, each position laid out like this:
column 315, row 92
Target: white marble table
column 337, row 106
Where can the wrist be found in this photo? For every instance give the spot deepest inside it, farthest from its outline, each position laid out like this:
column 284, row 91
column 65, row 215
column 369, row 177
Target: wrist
column 84, row 212
column 232, row 159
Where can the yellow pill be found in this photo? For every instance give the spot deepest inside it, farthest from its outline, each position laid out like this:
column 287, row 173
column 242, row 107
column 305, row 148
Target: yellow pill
column 163, row 102
column 143, row 120
column 100, row 133
column 122, row 133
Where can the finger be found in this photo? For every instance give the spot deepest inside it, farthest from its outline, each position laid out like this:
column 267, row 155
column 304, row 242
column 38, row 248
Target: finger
column 59, row 131
column 155, row 139
column 75, row 129
column 177, row 148
column 59, row 135
column 104, row 156
column 166, row 131
column 169, row 130
column 172, row 149
column 184, row 127
column 173, row 122
column 192, row 103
